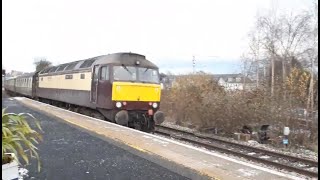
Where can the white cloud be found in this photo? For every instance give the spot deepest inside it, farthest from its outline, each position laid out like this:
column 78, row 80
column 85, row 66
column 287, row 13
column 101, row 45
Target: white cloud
column 65, row 31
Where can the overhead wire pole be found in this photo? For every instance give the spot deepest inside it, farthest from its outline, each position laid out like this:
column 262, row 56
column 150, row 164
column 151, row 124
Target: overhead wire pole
column 194, row 64
column 311, row 89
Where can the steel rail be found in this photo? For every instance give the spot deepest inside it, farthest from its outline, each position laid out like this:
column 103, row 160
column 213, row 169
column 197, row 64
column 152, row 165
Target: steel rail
column 166, row 131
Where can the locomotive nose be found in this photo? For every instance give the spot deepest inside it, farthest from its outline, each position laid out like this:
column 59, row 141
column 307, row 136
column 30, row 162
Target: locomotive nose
column 158, row 117
column 128, row 91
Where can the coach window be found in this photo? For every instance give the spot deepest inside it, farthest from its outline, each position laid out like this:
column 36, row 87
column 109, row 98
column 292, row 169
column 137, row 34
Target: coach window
column 82, row 76
column 104, row 75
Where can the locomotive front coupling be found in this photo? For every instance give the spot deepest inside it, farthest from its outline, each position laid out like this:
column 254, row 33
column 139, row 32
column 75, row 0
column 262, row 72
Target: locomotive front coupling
column 158, row 117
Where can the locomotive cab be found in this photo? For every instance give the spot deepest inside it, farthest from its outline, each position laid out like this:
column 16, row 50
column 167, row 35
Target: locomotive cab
column 128, row 92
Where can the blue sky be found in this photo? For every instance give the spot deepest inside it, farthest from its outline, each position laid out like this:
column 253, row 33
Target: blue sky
column 213, row 67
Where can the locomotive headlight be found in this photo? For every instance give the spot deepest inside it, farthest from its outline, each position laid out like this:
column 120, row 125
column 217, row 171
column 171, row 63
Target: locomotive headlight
column 118, row 104
column 154, row 105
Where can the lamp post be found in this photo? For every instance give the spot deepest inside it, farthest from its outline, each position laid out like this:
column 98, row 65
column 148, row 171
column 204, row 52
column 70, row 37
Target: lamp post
column 194, row 65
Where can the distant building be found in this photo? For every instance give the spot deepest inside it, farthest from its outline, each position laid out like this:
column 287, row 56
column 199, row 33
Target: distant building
column 234, row 81
column 166, row 81
column 228, row 81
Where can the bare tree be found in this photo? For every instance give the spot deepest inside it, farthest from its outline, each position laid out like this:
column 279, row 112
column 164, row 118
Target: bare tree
column 287, row 45
column 255, row 48
column 41, row 63
column 293, row 36
column 268, row 26
column 279, row 39
column 312, row 53
column 248, row 64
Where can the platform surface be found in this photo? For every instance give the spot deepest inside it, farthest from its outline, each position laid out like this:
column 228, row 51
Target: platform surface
column 68, row 153
column 186, row 160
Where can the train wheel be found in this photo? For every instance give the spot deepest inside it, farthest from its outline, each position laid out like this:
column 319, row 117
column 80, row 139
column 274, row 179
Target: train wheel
column 148, row 126
column 138, row 126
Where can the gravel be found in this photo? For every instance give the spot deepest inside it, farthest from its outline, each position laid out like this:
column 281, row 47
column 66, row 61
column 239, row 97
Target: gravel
column 302, row 177
column 301, row 152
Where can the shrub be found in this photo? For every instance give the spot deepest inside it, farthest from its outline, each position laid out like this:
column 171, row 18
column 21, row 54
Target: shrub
column 18, row 137
column 198, row 101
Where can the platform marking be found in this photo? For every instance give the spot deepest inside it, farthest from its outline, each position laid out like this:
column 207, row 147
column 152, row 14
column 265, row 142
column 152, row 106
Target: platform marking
column 248, row 172
column 136, row 147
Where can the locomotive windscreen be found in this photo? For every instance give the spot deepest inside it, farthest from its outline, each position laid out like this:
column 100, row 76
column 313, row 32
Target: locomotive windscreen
column 135, row 74
column 148, row 75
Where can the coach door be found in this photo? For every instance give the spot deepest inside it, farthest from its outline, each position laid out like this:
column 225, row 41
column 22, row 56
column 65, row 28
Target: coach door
column 94, row 84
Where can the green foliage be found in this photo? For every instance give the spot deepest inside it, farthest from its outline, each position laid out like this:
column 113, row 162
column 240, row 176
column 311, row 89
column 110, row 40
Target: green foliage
column 297, row 85
column 18, row 137
column 42, row 64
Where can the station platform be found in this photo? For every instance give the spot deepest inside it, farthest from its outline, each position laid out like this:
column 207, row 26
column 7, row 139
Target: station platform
column 186, row 160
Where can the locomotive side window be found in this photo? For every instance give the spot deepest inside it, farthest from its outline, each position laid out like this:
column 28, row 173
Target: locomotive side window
column 104, row 73
column 82, row 76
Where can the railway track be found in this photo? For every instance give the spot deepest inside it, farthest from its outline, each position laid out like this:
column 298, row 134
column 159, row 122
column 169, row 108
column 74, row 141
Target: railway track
column 278, row 160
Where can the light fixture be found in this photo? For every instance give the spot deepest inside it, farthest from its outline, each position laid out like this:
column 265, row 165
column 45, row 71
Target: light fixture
column 118, row 104
column 154, row 105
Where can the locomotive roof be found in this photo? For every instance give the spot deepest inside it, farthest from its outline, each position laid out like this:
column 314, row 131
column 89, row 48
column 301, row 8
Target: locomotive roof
column 128, row 59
